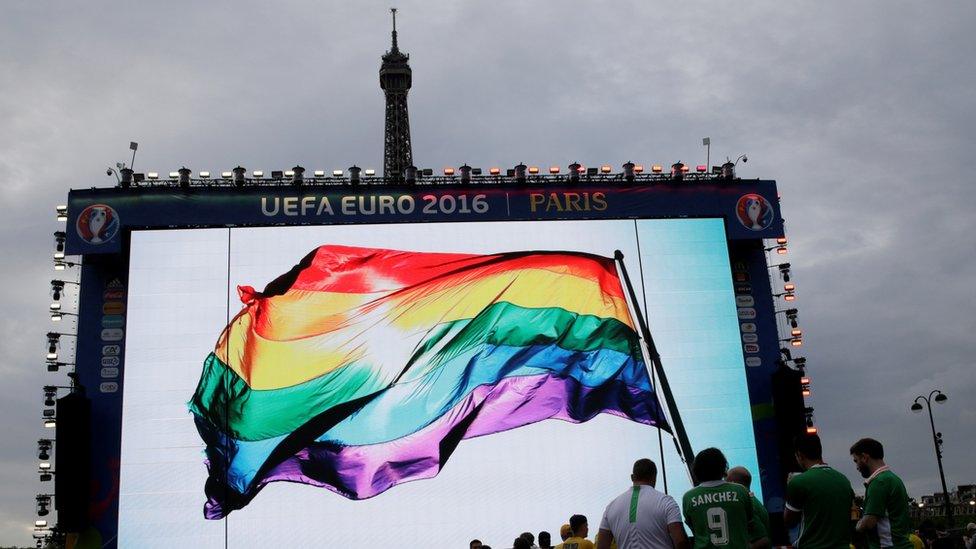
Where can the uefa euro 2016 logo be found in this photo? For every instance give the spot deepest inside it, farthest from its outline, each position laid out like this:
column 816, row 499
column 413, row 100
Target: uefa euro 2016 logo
column 97, row 223
column 754, row 212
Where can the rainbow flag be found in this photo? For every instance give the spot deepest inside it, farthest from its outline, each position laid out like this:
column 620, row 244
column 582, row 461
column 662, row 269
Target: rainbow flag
column 363, row 368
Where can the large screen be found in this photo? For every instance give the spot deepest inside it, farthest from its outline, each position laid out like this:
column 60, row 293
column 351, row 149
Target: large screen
column 423, row 384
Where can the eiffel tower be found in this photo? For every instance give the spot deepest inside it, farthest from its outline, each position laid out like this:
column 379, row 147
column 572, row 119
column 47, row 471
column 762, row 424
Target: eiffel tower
column 395, row 79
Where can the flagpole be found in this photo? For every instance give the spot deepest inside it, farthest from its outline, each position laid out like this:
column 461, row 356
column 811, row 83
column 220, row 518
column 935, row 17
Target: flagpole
column 684, row 446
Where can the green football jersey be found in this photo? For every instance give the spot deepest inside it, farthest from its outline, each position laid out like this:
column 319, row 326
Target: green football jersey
column 718, row 514
column 887, row 499
column 824, row 497
column 759, row 527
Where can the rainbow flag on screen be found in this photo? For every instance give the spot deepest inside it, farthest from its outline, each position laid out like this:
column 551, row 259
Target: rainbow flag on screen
column 364, row 368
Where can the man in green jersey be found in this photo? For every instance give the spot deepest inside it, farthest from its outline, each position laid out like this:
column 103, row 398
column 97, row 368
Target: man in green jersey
column 759, row 527
column 885, row 520
column 820, row 497
column 717, row 512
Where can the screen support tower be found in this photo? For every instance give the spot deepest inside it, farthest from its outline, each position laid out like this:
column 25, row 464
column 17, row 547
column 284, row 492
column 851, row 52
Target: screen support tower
column 680, row 435
column 395, row 79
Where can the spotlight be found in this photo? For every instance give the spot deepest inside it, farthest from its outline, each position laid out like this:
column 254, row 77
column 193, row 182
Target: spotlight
column 43, row 504
column 606, row 168
column 40, row 524
column 337, row 173
column 50, row 423
column 238, row 175
column 494, row 171
column 784, row 271
column 226, row 175
column 448, row 171
column 553, row 170
column 204, row 175
column 152, row 176
column 369, row 172
column 796, row 332
column 789, row 287
column 297, row 176
column 639, row 168
column 277, row 175
column 174, row 175
column 319, row 173
column 56, row 306
column 62, row 212
column 184, row 177
column 56, row 317
column 410, row 175
column 574, row 172
column 47, row 413
column 677, row 171
column 354, row 172
column 50, row 392
column 520, row 173
column 57, row 286
column 44, row 449
column 257, row 174
column 59, row 237
column 701, row 168
column 628, row 171
column 289, row 173
column 533, row 170
column 781, row 240
column 44, row 466
column 657, row 168
column 45, row 477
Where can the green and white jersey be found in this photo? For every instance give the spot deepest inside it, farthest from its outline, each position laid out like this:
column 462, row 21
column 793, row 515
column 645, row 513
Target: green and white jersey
column 887, row 499
column 824, row 497
column 718, row 514
column 759, row 527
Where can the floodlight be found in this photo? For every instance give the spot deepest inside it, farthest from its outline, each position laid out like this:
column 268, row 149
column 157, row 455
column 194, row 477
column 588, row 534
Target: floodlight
column 257, row 174
column 62, row 212
column 639, row 168
column 606, row 168
column 56, row 317
column 369, row 172
column 50, row 423
column 289, row 173
column 448, row 171
column 657, row 168
column 701, row 168
column 226, row 175
column 40, row 524
column 781, row 240
column 553, row 169
column 533, row 170
column 204, row 175
column 59, row 237
column 494, row 171
column 174, row 175
column 319, row 173
column 338, row 173
column 277, row 174
column 152, row 175
column 44, row 466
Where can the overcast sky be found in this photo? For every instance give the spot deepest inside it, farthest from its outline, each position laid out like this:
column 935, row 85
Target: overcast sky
column 864, row 113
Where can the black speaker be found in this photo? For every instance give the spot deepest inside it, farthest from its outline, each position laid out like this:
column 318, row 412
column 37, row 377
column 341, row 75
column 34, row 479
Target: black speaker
column 790, row 415
column 72, row 452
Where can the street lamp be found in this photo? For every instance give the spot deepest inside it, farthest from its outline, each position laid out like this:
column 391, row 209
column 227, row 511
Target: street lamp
column 939, row 397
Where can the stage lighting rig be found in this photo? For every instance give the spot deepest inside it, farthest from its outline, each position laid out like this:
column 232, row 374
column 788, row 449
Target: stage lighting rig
column 44, row 446
column 628, row 168
column 59, row 237
column 45, row 472
column 43, row 505
column 678, row 170
column 62, row 212
column 50, row 394
column 50, row 423
column 784, row 271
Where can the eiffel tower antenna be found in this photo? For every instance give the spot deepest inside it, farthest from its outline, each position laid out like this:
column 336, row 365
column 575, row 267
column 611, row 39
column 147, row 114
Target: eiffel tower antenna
column 395, row 80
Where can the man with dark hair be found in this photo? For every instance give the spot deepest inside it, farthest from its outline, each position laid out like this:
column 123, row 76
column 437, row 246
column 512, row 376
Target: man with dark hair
column 885, row 519
column 579, row 529
column 521, row 543
column 475, row 544
column 759, row 527
column 642, row 517
column 717, row 512
column 545, row 540
column 527, row 536
column 819, row 499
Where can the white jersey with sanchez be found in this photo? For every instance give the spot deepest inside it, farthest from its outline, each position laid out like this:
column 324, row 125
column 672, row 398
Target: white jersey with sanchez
column 639, row 518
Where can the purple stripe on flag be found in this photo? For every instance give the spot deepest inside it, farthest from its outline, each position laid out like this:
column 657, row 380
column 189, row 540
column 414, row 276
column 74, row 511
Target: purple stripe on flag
column 360, row 472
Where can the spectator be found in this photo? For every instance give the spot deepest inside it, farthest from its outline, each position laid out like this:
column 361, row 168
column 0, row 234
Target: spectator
column 565, row 531
column 819, row 499
column 529, row 538
column 885, row 517
column 475, row 544
column 759, row 527
column 969, row 538
column 521, row 543
column 642, row 517
column 717, row 512
column 545, row 540
column 579, row 529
